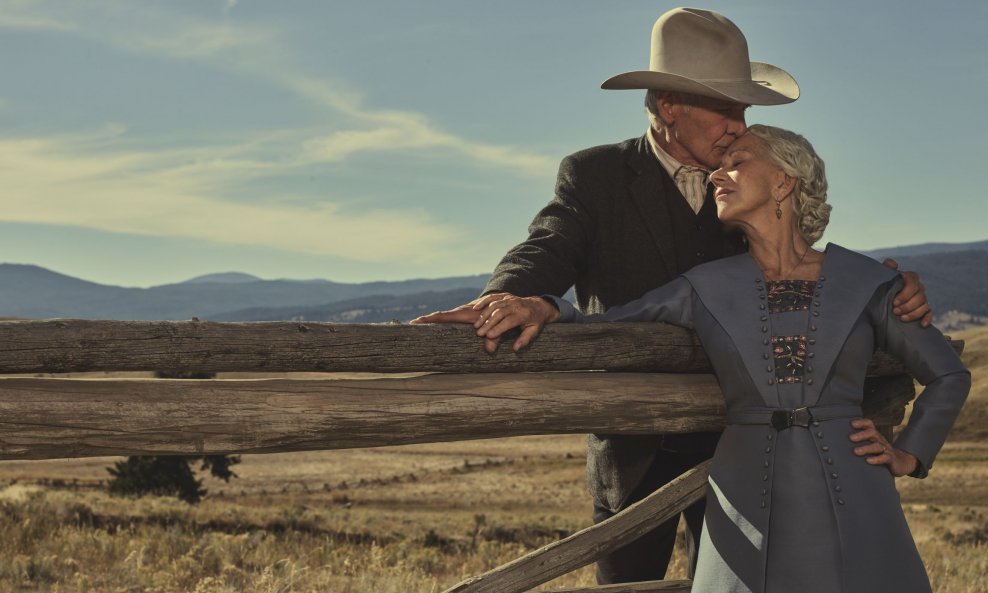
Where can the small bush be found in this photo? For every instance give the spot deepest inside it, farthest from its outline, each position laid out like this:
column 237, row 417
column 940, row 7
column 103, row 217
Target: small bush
column 169, row 475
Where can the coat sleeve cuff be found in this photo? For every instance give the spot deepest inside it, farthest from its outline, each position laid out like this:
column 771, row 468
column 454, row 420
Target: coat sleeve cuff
column 567, row 312
column 921, row 470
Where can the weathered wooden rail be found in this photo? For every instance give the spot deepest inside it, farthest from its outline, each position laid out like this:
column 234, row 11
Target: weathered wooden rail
column 52, row 418
column 658, row 382
column 67, row 346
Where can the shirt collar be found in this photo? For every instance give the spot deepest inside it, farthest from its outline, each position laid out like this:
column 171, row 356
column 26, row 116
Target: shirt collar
column 668, row 162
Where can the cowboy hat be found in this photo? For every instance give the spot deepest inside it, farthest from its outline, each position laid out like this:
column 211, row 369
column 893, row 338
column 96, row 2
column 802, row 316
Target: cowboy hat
column 703, row 53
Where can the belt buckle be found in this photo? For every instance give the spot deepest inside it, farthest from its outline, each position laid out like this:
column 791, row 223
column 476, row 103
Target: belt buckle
column 783, row 419
column 801, row 417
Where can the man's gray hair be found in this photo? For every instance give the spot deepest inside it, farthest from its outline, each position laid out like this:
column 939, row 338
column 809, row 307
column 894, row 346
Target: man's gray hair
column 795, row 155
column 652, row 97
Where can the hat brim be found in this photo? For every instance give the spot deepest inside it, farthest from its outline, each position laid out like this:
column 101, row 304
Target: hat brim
column 769, row 85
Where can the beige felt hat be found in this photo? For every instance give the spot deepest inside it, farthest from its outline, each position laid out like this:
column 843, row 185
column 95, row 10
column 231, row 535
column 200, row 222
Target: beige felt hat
column 702, row 52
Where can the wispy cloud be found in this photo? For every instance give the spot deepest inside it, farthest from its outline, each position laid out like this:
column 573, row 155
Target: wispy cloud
column 99, row 180
column 83, row 181
column 30, row 14
column 405, row 131
column 137, row 27
column 256, row 52
column 388, row 130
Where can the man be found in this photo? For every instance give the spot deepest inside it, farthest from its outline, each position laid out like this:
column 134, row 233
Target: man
column 632, row 216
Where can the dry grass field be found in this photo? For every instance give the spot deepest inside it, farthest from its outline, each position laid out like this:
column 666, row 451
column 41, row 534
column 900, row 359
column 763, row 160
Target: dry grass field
column 416, row 518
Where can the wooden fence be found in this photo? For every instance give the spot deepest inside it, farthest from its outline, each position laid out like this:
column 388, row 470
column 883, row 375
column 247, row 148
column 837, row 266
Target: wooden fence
column 443, row 387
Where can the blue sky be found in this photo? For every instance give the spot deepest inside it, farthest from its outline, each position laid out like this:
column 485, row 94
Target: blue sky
column 146, row 142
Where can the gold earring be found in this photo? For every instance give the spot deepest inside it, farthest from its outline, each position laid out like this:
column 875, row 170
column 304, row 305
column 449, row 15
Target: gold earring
column 778, row 209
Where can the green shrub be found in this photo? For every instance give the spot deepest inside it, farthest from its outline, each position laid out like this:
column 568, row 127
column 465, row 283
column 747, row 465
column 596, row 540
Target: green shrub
column 169, row 475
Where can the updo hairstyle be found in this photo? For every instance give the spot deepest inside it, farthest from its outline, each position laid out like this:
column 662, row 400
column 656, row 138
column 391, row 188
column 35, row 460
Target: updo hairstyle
column 795, row 155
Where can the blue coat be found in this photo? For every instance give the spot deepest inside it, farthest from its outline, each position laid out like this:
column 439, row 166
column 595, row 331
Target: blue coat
column 793, row 509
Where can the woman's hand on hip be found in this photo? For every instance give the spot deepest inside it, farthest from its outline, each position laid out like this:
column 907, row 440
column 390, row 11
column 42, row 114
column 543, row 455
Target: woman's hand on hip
column 502, row 312
column 878, row 451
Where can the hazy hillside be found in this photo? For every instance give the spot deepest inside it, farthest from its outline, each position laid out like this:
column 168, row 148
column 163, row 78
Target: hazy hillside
column 954, row 274
column 34, row 292
column 370, row 309
column 955, row 281
column 223, row 278
column 925, row 248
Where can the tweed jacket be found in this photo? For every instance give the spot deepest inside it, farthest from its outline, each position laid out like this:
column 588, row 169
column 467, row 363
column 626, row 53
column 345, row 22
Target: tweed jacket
column 792, row 508
column 608, row 234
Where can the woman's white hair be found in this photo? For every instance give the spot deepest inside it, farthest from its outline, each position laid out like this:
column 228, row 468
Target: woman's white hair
column 795, row 155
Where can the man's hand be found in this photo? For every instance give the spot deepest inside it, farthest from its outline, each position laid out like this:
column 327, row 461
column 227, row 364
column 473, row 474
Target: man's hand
column 502, row 312
column 463, row 314
column 481, row 311
column 910, row 304
column 876, row 450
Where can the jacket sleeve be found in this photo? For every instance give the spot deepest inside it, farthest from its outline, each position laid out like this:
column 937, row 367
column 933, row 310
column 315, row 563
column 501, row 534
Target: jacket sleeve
column 558, row 244
column 671, row 303
column 930, row 359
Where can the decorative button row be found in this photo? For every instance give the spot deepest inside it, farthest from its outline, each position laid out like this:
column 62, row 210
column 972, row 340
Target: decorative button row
column 813, row 327
column 816, row 299
column 764, row 329
column 834, row 475
column 766, row 464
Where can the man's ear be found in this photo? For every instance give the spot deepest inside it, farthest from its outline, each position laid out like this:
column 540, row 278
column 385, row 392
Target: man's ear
column 667, row 108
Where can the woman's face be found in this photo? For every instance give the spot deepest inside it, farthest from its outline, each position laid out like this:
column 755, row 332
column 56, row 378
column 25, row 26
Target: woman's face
column 747, row 183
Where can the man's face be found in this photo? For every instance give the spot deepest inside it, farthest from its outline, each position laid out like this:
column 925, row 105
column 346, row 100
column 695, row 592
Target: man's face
column 699, row 136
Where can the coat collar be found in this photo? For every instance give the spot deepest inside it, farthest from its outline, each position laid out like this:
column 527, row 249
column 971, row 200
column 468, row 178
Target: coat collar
column 733, row 290
column 649, row 182
column 846, row 284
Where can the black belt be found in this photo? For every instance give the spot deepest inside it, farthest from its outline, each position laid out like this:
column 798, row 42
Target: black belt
column 781, row 419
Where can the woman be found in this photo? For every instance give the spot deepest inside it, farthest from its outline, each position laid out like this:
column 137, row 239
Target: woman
column 801, row 494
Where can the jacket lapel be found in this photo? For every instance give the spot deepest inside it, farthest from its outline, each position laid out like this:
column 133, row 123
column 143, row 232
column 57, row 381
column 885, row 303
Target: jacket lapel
column 648, row 186
column 846, row 284
column 733, row 291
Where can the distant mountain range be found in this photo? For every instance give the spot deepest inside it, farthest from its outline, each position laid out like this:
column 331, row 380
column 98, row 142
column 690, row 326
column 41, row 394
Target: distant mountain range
column 34, row 292
column 376, row 308
column 954, row 274
column 954, row 280
column 926, row 249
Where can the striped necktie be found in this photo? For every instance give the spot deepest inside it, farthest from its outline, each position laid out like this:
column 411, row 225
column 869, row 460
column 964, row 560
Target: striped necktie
column 692, row 182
